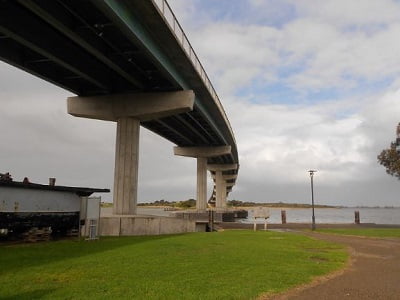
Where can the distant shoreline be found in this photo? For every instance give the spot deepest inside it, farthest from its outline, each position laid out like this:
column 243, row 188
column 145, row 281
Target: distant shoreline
column 269, row 205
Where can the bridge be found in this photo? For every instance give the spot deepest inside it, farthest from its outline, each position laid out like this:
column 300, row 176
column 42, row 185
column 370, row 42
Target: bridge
column 129, row 62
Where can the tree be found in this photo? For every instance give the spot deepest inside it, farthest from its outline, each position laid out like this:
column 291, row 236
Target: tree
column 187, row 204
column 390, row 158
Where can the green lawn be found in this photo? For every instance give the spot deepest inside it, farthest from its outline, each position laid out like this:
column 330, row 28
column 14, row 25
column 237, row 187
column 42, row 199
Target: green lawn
column 221, row 265
column 370, row 232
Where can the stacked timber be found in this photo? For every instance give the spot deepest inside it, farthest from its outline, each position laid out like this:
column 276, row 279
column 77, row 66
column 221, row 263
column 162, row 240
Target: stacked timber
column 73, row 232
column 37, row 235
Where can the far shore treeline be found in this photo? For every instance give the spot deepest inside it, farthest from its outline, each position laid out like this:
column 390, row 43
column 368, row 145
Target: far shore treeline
column 191, row 203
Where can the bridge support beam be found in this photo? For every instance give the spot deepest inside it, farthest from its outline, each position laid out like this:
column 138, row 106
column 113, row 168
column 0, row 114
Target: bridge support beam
column 128, row 110
column 202, row 153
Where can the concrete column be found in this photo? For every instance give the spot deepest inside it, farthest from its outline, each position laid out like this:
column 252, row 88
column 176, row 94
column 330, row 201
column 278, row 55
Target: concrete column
column 126, row 166
column 201, row 203
column 202, row 153
column 224, row 195
column 220, row 190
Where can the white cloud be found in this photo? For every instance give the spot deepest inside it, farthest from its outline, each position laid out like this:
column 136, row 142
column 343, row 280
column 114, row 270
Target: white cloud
column 354, row 13
column 236, row 54
column 278, row 144
column 328, row 45
column 282, row 142
column 341, row 59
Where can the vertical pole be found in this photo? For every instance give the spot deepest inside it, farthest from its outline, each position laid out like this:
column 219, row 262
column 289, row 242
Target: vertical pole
column 357, row 217
column 83, row 217
column 312, row 200
column 211, row 220
column 283, row 216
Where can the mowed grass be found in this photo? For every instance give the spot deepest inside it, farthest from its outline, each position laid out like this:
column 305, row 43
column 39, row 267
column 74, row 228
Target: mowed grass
column 368, row 232
column 222, row 265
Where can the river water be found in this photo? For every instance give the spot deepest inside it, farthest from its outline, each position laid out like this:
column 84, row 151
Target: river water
column 303, row 215
column 333, row 215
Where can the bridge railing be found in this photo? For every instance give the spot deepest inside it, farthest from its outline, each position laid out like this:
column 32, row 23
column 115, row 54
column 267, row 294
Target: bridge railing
column 170, row 18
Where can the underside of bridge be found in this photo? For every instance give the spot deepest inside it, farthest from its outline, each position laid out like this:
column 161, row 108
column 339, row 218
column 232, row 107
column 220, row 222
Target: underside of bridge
column 96, row 48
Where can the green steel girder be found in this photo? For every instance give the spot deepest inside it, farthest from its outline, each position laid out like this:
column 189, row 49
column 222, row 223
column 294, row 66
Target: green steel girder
column 138, row 32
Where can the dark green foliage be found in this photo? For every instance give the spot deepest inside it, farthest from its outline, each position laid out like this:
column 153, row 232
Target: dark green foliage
column 187, row 204
column 390, row 159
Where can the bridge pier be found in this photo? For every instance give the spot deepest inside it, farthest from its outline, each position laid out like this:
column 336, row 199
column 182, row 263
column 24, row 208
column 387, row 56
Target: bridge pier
column 126, row 166
column 221, row 184
column 201, row 189
column 220, row 197
column 202, row 153
column 128, row 110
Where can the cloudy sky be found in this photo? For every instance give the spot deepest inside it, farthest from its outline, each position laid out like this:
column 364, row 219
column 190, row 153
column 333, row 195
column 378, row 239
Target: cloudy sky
column 305, row 84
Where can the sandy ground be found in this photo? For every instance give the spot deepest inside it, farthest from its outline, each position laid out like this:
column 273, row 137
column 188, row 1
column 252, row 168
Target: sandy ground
column 373, row 272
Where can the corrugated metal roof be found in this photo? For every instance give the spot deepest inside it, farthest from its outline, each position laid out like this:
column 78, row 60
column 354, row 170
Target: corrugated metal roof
column 81, row 191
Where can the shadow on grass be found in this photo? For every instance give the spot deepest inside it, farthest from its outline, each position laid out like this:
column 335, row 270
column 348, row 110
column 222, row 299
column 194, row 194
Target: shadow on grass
column 19, row 256
column 36, row 294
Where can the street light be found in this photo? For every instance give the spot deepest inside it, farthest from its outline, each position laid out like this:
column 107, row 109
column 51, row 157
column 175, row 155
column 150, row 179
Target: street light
column 398, row 139
column 312, row 197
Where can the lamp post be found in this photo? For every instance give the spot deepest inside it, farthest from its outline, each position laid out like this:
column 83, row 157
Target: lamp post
column 312, row 197
column 398, row 139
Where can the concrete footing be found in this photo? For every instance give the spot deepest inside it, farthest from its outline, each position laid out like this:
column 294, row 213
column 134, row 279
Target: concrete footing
column 126, row 225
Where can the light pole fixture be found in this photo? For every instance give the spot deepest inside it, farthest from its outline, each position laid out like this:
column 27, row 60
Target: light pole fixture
column 312, row 197
column 398, row 139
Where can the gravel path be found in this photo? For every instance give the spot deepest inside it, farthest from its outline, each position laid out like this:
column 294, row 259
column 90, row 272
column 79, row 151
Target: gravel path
column 373, row 273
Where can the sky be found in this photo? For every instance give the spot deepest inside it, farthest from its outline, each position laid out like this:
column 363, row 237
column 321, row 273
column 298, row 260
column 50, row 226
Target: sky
column 305, row 84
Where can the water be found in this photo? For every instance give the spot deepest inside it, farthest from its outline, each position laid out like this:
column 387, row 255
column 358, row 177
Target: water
column 333, row 215
column 303, row 215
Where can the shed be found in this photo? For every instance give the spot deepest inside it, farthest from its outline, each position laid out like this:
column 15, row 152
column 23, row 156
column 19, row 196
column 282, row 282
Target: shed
column 24, row 205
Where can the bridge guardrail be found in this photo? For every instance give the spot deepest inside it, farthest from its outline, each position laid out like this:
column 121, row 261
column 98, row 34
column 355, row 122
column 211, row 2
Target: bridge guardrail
column 170, row 18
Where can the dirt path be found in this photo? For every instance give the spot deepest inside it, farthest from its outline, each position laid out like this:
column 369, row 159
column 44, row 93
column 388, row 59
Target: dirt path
column 374, row 272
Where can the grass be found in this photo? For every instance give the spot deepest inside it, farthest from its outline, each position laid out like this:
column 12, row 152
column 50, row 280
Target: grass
column 369, row 232
column 221, row 265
